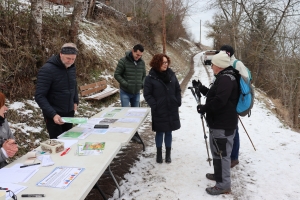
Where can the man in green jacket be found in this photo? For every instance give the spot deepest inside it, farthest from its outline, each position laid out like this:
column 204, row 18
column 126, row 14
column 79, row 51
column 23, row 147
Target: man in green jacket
column 130, row 73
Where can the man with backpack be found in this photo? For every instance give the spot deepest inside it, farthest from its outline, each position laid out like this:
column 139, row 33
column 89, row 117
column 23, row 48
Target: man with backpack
column 221, row 118
column 244, row 72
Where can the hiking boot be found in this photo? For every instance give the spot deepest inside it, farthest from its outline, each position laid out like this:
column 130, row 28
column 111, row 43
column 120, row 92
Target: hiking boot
column 210, row 176
column 168, row 155
column 136, row 138
column 234, row 163
column 159, row 155
column 216, row 191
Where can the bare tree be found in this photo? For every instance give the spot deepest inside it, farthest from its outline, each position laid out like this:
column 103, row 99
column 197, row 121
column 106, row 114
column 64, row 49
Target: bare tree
column 76, row 18
column 35, row 27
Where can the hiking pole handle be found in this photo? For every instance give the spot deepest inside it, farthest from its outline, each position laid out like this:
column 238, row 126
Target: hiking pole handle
column 247, row 133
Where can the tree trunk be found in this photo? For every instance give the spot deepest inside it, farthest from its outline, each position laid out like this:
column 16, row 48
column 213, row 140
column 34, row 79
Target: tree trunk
column 164, row 39
column 76, row 18
column 91, row 7
column 35, row 29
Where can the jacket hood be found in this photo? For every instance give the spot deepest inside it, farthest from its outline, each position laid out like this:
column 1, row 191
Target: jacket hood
column 56, row 61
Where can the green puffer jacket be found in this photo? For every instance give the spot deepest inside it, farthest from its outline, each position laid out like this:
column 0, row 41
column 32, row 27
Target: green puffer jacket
column 130, row 74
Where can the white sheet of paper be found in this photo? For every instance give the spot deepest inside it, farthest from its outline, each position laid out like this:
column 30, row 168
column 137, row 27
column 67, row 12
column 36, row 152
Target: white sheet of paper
column 129, row 120
column 120, row 130
column 60, row 177
column 137, row 110
column 94, row 120
column 13, row 187
column 17, row 174
column 68, row 143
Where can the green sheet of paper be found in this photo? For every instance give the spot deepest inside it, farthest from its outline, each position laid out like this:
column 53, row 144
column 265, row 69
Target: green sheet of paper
column 75, row 120
column 70, row 134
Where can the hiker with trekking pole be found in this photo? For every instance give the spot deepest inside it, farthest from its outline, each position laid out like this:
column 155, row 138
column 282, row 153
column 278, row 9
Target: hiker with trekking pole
column 245, row 72
column 221, row 118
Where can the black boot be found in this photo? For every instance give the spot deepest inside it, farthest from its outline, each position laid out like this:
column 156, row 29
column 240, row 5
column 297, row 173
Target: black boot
column 159, row 155
column 168, row 155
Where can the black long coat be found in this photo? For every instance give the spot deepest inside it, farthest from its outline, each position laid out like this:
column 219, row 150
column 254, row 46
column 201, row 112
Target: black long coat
column 56, row 88
column 164, row 100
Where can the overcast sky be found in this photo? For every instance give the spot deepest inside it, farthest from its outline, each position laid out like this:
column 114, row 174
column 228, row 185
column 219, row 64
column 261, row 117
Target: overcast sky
column 192, row 22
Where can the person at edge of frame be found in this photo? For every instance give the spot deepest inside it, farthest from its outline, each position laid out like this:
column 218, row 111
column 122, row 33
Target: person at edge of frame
column 56, row 90
column 8, row 144
column 163, row 94
column 130, row 73
column 221, row 118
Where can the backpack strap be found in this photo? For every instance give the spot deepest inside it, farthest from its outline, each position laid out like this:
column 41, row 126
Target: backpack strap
column 234, row 63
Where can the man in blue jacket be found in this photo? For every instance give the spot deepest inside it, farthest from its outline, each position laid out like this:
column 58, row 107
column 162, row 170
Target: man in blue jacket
column 56, row 90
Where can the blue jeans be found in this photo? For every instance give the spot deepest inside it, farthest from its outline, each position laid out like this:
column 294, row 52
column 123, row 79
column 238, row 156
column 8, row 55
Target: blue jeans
column 236, row 145
column 126, row 98
column 159, row 138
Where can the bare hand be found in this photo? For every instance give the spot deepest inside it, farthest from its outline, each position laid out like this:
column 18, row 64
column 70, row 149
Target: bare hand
column 75, row 106
column 57, row 120
column 11, row 147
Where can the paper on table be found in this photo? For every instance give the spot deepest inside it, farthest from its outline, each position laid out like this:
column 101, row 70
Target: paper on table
column 111, row 114
column 138, row 110
column 135, row 114
column 129, row 120
column 60, row 177
column 116, row 110
column 87, row 125
column 13, row 187
column 94, row 120
column 70, row 134
column 17, row 174
column 119, row 130
column 46, row 160
column 98, row 131
column 68, row 143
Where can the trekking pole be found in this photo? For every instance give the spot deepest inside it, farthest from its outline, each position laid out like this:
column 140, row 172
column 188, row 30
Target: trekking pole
column 247, row 133
column 205, row 137
column 215, row 141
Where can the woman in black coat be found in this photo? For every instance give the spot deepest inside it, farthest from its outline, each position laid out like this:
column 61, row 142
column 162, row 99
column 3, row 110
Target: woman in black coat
column 163, row 94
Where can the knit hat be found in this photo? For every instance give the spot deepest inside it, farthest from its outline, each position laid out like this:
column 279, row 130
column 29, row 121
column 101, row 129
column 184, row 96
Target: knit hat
column 221, row 60
column 228, row 49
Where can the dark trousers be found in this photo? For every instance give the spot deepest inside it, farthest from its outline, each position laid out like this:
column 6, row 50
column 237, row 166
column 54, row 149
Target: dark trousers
column 54, row 129
column 236, row 145
column 159, row 137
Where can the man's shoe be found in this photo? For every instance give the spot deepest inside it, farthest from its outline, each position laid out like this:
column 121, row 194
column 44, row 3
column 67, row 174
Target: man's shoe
column 216, row 191
column 234, row 163
column 210, row 176
column 136, row 138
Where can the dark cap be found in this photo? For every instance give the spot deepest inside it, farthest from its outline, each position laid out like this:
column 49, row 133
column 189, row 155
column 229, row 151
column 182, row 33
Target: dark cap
column 228, row 49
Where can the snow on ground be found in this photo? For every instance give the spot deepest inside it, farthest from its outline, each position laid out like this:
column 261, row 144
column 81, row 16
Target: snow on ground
column 270, row 172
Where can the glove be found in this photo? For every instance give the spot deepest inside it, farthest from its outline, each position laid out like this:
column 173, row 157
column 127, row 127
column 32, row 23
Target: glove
column 200, row 109
column 197, row 84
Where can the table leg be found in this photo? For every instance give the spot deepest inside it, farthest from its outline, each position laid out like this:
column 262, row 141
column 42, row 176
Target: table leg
column 96, row 186
column 141, row 140
column 111, row 174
